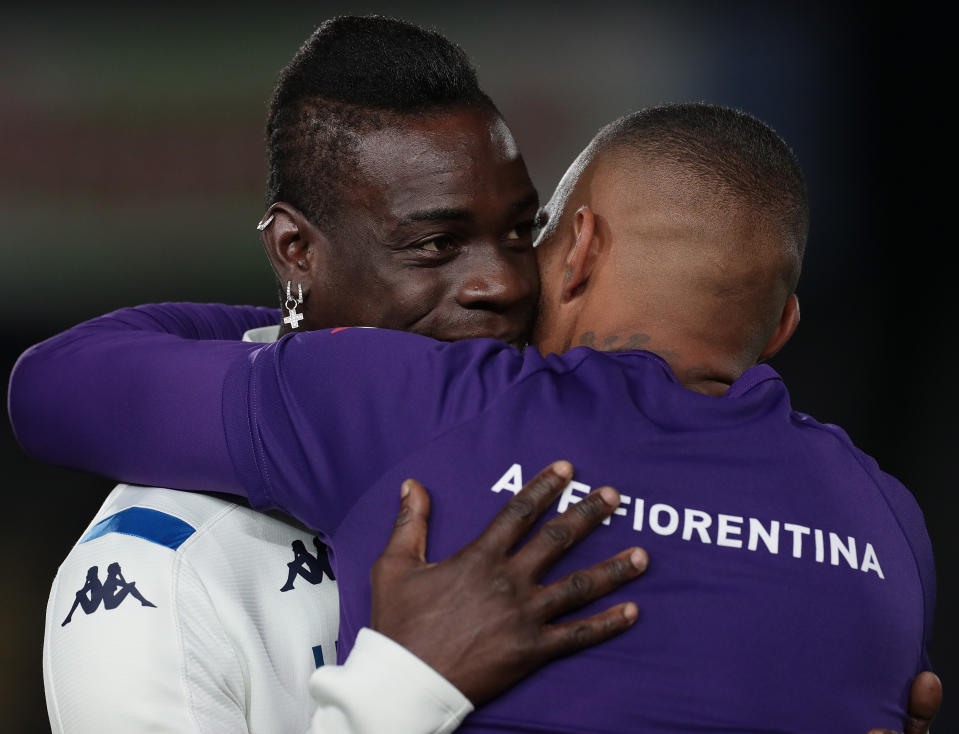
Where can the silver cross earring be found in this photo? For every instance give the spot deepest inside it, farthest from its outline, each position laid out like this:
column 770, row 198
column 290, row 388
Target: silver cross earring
column 291, row 303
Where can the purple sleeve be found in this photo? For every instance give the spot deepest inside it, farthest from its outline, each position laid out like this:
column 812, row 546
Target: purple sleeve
column 154, row 395
column 316, row 418
column 136, row 395
column 912, row 523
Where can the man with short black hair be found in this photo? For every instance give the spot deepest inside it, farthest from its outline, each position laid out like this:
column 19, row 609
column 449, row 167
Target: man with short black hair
column 395, row 180
column 668, row 260
column 397, row 199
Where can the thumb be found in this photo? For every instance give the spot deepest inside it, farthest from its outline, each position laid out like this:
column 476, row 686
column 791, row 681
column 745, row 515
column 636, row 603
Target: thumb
column 408, row 538
column 925, row 698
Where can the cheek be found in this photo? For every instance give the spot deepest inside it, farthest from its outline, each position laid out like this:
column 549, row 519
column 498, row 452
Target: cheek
column 531, row 272
column 413, row 295
column 544, row 262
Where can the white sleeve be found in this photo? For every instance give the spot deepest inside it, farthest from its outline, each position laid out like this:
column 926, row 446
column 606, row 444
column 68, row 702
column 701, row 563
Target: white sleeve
column 156, row 661
column 383, row 687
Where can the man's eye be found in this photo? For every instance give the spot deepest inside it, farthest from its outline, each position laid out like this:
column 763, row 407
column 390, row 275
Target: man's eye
column 520, row 231
column 437, row 244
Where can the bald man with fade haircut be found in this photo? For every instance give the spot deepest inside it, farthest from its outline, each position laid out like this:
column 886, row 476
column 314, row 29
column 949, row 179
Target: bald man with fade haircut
column 792, row 586
column 688, row 226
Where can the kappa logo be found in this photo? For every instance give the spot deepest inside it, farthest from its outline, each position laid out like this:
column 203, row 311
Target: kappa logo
column 111, row 593
column 308, row 566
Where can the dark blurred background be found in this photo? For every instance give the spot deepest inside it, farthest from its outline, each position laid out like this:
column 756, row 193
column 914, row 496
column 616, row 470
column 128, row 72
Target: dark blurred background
column 132, row 170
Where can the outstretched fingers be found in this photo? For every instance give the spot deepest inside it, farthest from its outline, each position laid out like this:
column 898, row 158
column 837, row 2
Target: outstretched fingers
column 435, row 609
column 522, row 511
column 562, row 532
column 581, row 587
column 563, row 639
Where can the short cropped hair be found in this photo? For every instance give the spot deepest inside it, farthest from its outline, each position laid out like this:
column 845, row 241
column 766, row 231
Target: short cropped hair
column 354, row 75
column 727, row 147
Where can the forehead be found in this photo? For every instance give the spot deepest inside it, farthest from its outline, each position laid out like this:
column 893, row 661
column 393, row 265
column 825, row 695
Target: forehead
column 449, row 160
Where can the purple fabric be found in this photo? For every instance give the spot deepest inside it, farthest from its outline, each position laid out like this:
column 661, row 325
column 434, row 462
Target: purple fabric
column 791, row 582
column 137, row 388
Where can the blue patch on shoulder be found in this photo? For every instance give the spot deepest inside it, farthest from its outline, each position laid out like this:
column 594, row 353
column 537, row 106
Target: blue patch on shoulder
column 142, row 522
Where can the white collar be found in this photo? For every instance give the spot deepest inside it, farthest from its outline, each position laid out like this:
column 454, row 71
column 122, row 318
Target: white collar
column 263, row 334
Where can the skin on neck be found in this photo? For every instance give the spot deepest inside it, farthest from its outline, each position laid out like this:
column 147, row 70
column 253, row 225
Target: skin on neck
column 644, row 255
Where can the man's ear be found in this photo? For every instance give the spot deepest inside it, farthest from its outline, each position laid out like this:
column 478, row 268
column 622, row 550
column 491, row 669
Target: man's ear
column 581, row 256
column 788, row 322
column 293, row 245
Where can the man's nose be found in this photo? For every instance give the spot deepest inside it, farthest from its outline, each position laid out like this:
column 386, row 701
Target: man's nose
column 496, row 282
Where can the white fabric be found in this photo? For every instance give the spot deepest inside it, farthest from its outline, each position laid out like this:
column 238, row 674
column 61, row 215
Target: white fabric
column 414, row 692
column 262, row 334
column 222, row 649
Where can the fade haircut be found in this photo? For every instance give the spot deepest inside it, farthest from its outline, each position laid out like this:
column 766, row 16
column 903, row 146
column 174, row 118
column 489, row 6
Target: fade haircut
column 354, row 75
column 731, row 150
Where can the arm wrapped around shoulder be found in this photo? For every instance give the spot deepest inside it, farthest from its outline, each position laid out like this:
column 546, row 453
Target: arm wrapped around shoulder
column 69, row 396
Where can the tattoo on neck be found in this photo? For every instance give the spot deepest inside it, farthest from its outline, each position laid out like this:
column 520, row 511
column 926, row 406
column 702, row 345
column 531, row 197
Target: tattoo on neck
column 635, row 341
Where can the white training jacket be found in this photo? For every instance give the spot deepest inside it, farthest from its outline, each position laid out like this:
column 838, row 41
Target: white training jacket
column 189, row 613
